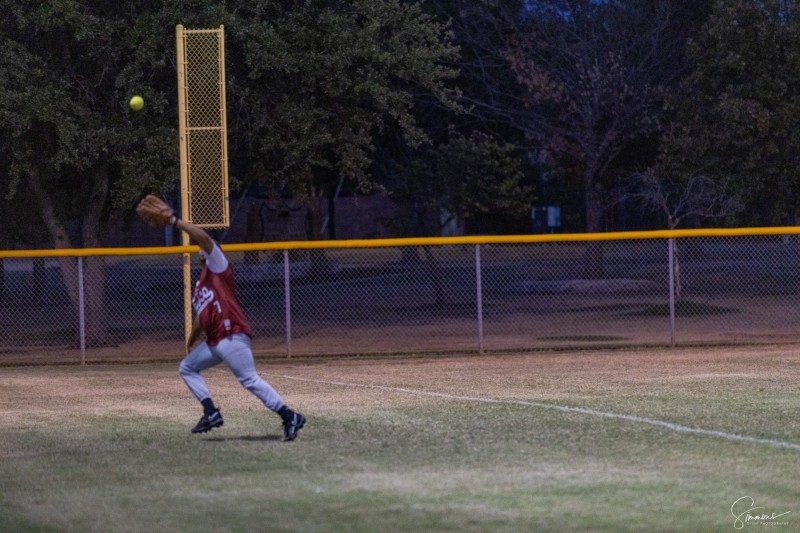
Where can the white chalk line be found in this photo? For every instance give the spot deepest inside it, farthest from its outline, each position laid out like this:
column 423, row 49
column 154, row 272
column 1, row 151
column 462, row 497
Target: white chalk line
column 566, row 409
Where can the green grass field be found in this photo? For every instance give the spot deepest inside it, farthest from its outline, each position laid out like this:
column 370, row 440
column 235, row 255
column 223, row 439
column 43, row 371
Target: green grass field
column 413, row 444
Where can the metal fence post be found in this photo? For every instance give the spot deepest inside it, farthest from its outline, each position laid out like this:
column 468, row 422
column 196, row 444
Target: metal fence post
column 671, row 248
column 287, row 302
column 479, row 296
column 81, row 312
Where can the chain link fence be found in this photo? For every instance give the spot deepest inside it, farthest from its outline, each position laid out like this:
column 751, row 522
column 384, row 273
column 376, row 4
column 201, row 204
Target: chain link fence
column 443, row 296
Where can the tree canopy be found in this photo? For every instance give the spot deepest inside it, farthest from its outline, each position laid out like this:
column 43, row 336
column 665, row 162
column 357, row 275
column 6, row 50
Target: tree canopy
column 444, row 103
column 738, row 108
column 312, row 85
column 592, row 78
column 323, row 81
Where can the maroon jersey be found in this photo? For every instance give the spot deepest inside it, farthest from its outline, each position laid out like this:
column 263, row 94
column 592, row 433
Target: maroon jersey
column 216, row 306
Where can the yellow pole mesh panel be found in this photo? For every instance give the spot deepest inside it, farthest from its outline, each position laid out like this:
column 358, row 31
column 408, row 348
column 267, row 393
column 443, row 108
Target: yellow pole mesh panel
column 202, row 124
column 203, row 138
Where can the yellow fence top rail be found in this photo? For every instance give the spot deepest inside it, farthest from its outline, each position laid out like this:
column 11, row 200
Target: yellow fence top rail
column 419, row 241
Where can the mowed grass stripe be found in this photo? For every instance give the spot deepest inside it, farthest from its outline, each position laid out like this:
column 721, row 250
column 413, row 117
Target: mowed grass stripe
column 563, row 408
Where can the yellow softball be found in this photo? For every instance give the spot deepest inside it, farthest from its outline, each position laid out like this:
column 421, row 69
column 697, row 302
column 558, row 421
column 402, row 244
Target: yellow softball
column 137, row 103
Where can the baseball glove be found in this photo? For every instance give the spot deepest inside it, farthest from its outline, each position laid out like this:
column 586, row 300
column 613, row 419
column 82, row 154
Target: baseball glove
column 155, row 212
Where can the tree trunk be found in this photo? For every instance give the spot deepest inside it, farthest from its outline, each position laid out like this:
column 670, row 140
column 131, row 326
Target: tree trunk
column 436, row 277
column 94, row 267
column 252, row 233
column 94, row 286
column 320, row 266
column 676, row 261
column 409, row 255
column 593, row 258
column 39, row 281
column 332, row 216
column 61, row 240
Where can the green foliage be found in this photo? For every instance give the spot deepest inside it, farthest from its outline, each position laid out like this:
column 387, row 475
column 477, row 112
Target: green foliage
column 464, row 177
column 312, row 85
column 324, row 79
column 737, row 112
column 68, row 70
column 478, row 174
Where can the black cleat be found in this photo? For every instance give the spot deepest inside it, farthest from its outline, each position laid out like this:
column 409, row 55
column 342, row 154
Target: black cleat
column 292, row 426
column 208, row 422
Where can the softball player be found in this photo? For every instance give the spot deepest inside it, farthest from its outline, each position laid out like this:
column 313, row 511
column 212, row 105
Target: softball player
column 219, row 315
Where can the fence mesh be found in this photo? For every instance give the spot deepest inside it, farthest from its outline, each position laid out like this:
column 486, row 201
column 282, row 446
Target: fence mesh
column 207, row 179
column 416, row 299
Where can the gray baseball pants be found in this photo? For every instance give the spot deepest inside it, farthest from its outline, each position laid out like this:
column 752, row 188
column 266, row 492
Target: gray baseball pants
column 235, row 351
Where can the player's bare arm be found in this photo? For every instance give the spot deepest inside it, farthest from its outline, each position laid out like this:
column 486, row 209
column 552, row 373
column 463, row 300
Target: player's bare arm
column 157, row 213
column 197, row 233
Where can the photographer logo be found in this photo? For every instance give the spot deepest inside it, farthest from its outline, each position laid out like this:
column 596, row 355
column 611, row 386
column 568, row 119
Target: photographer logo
column 746, row 513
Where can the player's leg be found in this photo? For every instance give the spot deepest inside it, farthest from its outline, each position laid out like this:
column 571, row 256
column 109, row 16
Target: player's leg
column 195, row 362
column 235, row 351
column 237, row 354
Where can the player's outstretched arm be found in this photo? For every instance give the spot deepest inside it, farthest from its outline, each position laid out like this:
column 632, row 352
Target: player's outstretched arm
column 157, row 213
column 197, row 233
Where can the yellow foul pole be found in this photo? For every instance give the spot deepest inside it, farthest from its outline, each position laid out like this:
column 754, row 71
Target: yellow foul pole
column 184, row 154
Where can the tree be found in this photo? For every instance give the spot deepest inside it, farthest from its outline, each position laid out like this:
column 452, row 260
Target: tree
column 583, row 81
column 325, row 79
column 594, row 76
column 458, row 179
column 67, row 70
column 311, row 86
column 677, row 199
column 694, row 196
column 737, row 123
column 322, row 82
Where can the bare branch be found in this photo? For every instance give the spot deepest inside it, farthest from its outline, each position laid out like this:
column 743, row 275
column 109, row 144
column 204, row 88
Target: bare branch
column 699, row 195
